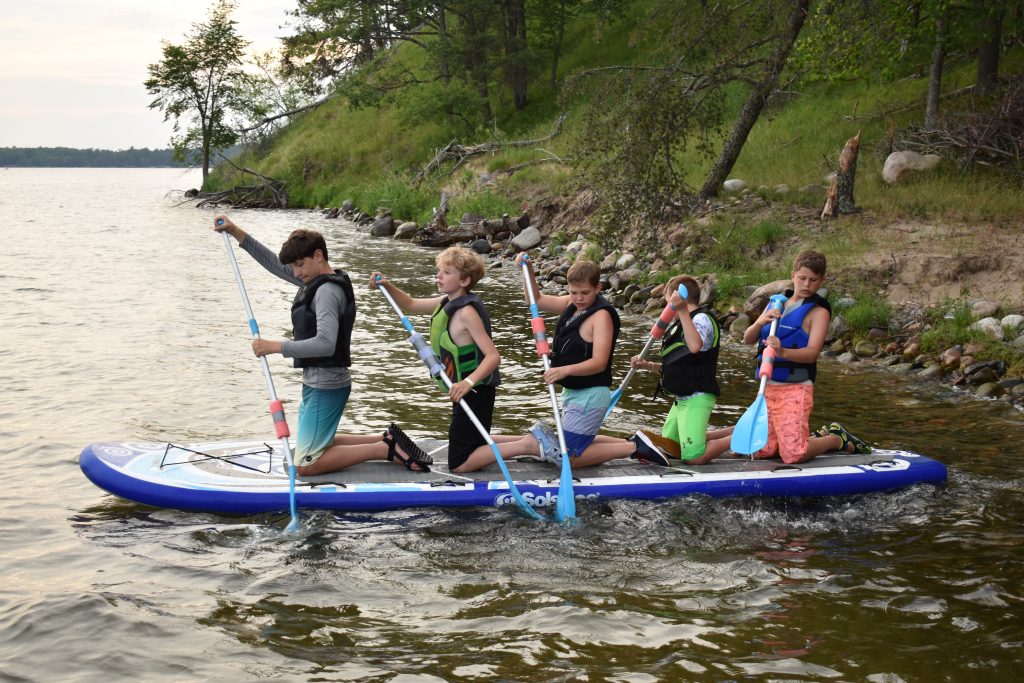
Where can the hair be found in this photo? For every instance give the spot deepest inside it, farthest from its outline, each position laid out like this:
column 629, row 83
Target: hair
column 584, row 272
column 301, row 244
column 692, row 287
column 814, row 261
column 468, row 263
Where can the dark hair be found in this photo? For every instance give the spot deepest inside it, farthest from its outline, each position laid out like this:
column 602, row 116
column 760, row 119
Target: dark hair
column 814, row 261
column 302, row 244
column 584, row 272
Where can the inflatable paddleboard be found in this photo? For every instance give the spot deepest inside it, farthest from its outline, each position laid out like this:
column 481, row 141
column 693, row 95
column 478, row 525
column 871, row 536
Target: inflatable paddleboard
column 251, row 477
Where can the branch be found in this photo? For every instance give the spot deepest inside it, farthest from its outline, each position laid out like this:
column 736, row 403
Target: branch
column 293, row 112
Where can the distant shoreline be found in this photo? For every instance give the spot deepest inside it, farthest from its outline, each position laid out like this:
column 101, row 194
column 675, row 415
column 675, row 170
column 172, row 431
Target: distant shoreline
column 69, row 157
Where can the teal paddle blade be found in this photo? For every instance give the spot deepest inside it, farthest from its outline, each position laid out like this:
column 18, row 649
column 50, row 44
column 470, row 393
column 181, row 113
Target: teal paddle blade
column 751, row 432
column 565, row 508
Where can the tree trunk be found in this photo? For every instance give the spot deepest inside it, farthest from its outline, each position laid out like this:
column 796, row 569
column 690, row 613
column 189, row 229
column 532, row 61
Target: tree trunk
column 755, row 103
column 840, row 194
column 931, row 111
column 515, row 51
column 988, row 48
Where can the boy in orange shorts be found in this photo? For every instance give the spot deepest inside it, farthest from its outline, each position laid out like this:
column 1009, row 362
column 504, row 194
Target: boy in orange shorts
column 789, row 395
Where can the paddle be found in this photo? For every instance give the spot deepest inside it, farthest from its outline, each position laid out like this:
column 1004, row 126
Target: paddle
column 751, row 432
column 433, row 363
column 566, row 506
column 276, row 407
column 657, row 332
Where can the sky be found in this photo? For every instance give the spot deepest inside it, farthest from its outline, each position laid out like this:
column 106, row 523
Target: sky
column 71, row 71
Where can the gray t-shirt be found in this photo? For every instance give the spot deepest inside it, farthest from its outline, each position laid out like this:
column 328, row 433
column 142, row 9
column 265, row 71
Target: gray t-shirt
column 328, row 302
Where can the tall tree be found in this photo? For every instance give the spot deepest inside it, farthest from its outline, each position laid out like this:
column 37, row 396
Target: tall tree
column 197, row 83
column 931, row 108
column 988, row 45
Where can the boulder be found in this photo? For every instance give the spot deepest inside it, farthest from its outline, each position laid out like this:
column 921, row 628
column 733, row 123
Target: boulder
column 899, row 164
column 406, row 230
column 839, row 327
column 989, row 390
column 991, row 327
column 733, row 186
column 984, row 309
column 756, row 302
column 625, row 261
column 383, row 227
column 527, row 239
column 931, row 372
column 347, row 206
column 865, row 349
column 481, row 246
column 1013, row 321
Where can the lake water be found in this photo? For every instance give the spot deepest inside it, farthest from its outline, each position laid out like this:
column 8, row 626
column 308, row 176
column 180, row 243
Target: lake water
column 121, row 320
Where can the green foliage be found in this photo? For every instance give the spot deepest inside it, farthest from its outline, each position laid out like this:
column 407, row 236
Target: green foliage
column 486, row 203
column 950, row 325
column 870, row 310
column 394, row 194
column 200, row 82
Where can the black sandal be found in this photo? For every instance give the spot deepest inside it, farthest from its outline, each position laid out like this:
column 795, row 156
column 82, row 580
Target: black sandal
column 415, row 458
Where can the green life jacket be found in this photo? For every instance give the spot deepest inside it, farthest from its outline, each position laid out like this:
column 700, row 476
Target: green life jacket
column 459, row 361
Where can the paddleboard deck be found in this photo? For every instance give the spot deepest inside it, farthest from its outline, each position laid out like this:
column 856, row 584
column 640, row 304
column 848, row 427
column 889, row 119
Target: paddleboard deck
column 251, row 477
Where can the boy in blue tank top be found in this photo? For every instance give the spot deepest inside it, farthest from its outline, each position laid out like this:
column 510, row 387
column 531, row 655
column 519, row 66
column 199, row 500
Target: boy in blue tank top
column 460, row 334
column 789, row 394
column 323, row 314
column 581, row 362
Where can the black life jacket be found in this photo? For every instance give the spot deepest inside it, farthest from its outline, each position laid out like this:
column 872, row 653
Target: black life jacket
column 570, row 348
column 304, row 321
column 792, row 335
column 684, row 373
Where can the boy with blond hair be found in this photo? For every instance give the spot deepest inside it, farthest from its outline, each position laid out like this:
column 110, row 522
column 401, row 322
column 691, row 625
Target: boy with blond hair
column 460, row 334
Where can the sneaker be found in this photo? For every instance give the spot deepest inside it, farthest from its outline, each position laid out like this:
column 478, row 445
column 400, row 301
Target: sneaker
column 859, row 445
column 646, row 452
column 549, row 451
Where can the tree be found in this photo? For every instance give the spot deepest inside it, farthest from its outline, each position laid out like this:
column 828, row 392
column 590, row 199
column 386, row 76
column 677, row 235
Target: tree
column 197, row 83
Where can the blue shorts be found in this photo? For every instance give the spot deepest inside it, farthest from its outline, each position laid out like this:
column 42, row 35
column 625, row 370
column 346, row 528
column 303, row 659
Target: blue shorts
column 319, row 414
column 583, row 412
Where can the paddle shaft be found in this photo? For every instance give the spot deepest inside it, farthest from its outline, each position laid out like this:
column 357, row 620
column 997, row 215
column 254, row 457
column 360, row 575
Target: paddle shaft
column 668, row 314
column 433, row 363
column 276, row 407
column 566, row 507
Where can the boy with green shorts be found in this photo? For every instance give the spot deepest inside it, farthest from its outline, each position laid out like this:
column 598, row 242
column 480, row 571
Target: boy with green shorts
column 689, row 369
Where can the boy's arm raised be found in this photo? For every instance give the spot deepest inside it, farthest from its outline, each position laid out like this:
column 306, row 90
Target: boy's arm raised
column 545, row 302
column 407, row 303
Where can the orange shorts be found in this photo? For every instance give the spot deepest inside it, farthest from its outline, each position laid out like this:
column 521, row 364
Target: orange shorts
column 789, row 412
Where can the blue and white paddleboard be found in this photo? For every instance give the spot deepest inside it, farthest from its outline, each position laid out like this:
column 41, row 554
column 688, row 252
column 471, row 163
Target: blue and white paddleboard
column 251, row 477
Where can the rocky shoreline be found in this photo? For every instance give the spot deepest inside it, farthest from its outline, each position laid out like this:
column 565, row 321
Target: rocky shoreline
column 630, row 283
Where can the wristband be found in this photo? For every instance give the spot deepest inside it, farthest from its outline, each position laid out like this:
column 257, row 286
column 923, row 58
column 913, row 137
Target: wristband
column 470, row 382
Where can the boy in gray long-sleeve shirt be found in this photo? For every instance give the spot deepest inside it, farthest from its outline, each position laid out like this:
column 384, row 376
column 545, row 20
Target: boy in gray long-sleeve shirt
column 323, row 314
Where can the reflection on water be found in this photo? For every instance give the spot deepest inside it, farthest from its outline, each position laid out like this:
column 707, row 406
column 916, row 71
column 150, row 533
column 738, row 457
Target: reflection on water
column 144, row 338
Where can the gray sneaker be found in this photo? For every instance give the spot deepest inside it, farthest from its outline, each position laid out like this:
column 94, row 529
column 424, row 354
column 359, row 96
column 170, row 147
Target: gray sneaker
column 549, row 451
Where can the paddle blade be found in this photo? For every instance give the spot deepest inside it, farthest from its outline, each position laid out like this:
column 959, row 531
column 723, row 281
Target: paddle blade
column 565, row 509
column 751, row 432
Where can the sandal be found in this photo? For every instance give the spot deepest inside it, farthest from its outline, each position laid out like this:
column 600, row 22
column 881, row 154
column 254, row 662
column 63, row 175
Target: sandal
column 859, row 445
column 412, row 456
column 820, row 431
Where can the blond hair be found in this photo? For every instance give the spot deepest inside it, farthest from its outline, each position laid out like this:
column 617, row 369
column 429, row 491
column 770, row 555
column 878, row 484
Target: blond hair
column 468, row 263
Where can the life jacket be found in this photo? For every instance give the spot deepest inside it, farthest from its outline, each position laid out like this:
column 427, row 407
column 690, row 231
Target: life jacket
column 792, row 335
column 684, row 373
column 459, row 361
column 304, row 321
column 570, row 348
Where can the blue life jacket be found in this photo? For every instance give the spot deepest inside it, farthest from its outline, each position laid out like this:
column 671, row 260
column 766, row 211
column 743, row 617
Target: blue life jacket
column 792, row 335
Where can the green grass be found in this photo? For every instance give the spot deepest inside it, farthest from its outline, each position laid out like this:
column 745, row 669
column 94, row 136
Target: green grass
column 870, row 310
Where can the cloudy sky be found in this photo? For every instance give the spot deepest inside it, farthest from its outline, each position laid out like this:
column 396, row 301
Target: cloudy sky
column 71, row 71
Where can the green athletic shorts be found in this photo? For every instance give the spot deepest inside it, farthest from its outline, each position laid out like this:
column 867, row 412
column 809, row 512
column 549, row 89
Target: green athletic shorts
column 687, row 424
